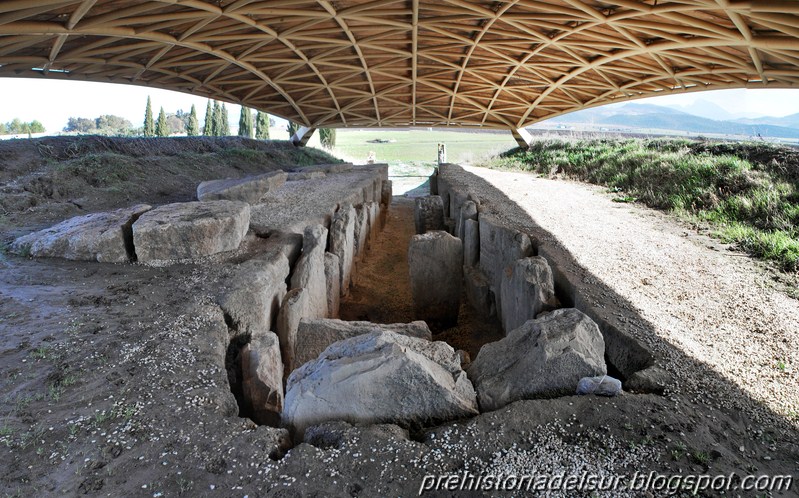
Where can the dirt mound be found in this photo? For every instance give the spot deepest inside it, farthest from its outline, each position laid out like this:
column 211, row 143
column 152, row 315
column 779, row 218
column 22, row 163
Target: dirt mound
column 43, row 181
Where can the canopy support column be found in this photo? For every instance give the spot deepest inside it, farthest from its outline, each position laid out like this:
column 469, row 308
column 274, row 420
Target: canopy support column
column 301, row 137
column 522, row 137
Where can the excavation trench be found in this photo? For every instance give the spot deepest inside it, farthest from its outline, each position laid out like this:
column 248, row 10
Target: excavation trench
column 382, row 292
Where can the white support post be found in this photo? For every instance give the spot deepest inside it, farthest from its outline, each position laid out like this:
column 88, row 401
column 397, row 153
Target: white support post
column 522, row 137
column 302, row 135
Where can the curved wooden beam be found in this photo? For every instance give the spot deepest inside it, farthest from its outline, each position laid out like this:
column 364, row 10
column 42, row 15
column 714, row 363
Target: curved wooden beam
column 468, row 63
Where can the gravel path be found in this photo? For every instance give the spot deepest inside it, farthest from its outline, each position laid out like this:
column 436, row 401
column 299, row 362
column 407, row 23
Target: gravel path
column 708, row 303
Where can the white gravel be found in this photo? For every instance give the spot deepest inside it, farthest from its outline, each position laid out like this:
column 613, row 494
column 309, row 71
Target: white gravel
column 713, row 305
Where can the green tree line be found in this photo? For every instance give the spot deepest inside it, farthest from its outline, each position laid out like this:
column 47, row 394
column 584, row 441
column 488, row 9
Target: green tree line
column 16, row 127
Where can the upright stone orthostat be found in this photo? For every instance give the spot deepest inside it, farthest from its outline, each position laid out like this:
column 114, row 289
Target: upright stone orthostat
column 309, row 273
column 468, row 211
column 256, row 293
column 527, row 290
column 428, row 214
column 436, row 271
column 333, row 279
column 342, row 244
column 471, row 243
column 361, row 230
column 262, row 378
column 386, row 192
column 291, row 312
column 500, row 247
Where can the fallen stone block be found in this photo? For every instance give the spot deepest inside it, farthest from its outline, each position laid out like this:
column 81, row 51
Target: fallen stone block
column 527, row 290
column 599, row 386
column 249, row 189
column 256, row 294
column 103, row 237
column 381, row 377
column 314, row 336
column 471, row 243
column 309, row 273
column 190, row 230
column 262, row 378
column 436, row 271
column 652, row 380
column 428, row 214
column 333, row 279
column 342, row 244
column 478, row 291
column 543, row 358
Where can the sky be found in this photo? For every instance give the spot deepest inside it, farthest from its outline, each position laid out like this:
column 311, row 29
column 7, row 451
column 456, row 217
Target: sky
column 54, row 101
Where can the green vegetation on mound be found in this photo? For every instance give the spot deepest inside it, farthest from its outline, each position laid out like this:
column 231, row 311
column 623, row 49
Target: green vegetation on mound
column 749, row 192
column 46, row 180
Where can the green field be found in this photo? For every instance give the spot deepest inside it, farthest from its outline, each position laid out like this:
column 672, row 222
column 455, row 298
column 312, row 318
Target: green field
column 419, row 146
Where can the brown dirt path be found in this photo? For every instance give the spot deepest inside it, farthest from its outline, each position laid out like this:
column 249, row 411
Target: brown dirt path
column 382, row 292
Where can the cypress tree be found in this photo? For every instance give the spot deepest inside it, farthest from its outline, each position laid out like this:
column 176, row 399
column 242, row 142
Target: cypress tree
column 161, row 125
column 208, row 126
column 292, row 128
column 225, row 128
column 327, row 136
column 217, row 126
column 193, row 127
column 262, row 126
column 245, row 122
column 149, row 125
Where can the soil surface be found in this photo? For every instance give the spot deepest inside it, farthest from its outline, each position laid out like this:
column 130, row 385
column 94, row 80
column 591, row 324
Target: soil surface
column 382, row 292
column 114, row 383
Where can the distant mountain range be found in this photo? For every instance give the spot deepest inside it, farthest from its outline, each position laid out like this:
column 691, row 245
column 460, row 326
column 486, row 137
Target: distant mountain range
column 648, row 117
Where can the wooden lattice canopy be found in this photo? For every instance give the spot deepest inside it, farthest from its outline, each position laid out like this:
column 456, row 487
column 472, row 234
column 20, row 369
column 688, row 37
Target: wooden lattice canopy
column 497, row 64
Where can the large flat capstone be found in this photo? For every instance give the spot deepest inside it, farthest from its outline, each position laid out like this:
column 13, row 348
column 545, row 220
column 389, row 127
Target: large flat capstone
column 190, row 230
column 381, row 377
column 104, row 237
column 249, row 189
column 544, row 358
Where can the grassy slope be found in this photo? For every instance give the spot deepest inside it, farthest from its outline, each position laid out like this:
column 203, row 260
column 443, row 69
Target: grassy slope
column 43, row 181
column 748, row 192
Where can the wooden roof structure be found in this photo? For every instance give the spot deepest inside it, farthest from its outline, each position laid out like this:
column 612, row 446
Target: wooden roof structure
column 395, row 63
